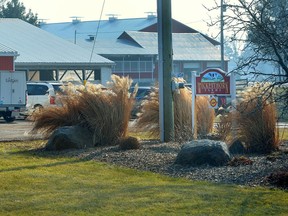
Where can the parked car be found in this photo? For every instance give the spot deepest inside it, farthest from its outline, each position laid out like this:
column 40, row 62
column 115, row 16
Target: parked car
column 42, row 94
column 142, row 93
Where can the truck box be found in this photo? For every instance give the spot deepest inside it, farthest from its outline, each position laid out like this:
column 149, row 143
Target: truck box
column 13, row 93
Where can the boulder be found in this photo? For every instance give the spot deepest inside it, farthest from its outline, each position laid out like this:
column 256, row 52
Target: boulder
column 237, row 147
column 70, row 137
column 199, row 152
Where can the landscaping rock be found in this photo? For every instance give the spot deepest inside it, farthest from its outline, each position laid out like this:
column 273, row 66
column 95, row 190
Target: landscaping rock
column 199, row 152
column 237, row 147
column 70, row 137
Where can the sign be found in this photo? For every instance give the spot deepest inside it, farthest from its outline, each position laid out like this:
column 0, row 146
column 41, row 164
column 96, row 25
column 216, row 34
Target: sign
column 213, row 102
column 213, row 81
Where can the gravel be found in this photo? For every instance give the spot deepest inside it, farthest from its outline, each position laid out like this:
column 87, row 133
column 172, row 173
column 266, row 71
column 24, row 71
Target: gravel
column 159, row 158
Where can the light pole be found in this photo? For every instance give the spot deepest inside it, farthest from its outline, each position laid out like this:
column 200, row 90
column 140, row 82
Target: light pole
column 223, row 9
column 165, row 62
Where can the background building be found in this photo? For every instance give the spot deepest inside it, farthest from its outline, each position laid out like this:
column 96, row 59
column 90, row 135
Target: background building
column 45, row 56
column 133, row 45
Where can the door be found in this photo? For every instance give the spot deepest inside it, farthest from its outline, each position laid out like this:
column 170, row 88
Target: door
column 12, row 88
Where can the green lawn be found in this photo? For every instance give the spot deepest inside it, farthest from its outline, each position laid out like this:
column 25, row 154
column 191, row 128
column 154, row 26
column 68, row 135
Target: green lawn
column 283, row 134
column 34, row 182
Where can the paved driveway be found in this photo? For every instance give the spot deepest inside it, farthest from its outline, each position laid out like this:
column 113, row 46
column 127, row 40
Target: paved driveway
column 17, row 130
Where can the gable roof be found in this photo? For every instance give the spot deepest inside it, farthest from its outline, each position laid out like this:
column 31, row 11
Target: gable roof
column 108, row 29
column 39, row 49
column 186, row 46
column 78, row 30
column 7, row 51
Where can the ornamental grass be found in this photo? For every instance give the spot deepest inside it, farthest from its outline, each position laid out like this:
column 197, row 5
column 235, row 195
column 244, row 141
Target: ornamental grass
column 104, row 111
column 148, row 118
column 257, row 119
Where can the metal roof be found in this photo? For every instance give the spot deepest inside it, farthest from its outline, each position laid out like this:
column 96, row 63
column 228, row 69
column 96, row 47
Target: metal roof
column 186, row 46
column 108, row 29
column 42, row 50
column 7, row 51
column 123, row 37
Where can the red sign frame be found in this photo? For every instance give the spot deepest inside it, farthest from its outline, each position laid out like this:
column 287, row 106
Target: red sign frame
column 213, row 81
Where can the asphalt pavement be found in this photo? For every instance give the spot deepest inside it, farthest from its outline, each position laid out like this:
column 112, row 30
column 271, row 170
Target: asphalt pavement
column 17, row 130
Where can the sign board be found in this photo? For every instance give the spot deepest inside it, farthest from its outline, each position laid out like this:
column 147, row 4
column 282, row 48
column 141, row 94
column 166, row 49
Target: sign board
column 213, row 102
column 213, row 82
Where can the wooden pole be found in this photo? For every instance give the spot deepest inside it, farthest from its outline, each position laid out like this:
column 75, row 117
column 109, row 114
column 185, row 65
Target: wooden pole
column 166, row 113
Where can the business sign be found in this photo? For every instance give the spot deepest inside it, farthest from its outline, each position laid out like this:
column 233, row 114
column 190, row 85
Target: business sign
column 213, row 82
column 213, row 102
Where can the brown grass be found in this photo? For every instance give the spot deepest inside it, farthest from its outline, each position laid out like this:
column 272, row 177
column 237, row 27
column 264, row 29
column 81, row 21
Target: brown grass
column 257, row 119
column 205, row 116
column 148, row 119
column 105, row 112
column 223, row 128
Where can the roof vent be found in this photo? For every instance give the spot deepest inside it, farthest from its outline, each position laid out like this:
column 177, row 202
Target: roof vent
column 151, row 15
column 42, row 21
column 76, row 19
column 112, row 17
column 91, row 37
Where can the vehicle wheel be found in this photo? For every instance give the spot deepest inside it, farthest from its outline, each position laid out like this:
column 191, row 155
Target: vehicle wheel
column 9, row 119
column 38, row 108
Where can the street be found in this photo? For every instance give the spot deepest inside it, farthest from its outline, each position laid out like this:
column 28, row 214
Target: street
column 17, row 130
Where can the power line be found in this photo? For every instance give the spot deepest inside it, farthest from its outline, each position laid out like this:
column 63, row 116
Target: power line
column 97, row 31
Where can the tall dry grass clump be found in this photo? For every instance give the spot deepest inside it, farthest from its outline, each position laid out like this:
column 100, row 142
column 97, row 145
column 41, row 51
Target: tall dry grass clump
column 223, row 128
column 205, row 116
column 148, row 119
column 104, row 111
column 257, row 119
column 182, row 116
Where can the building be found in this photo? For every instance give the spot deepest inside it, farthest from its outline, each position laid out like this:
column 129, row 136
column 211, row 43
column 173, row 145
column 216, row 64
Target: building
column 47, row 57
column 133, row 45
column 7, row 58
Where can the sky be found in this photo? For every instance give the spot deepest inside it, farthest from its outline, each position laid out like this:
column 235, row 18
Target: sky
column 189, row 12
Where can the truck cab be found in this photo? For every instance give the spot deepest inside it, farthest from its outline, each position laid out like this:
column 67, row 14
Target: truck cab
column 13, row 87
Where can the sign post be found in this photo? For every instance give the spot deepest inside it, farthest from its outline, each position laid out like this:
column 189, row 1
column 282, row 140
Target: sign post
column 212, row 82
column 193, row 88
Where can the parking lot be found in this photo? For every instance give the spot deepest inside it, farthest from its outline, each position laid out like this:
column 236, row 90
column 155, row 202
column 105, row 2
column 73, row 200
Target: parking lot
column 17, row 130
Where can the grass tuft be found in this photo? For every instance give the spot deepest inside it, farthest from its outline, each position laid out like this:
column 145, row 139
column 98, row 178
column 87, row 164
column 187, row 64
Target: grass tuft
column 148, row 118
column 257, row 120
column 128, row 143
column 104, row 111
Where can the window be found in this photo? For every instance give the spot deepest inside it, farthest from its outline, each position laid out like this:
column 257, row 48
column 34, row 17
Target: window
column 37, row 89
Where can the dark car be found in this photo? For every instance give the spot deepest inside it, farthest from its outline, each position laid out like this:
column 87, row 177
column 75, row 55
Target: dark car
column 142, row 92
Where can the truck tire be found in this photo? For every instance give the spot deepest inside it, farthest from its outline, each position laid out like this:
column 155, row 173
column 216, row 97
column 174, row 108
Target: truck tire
column 9, row 119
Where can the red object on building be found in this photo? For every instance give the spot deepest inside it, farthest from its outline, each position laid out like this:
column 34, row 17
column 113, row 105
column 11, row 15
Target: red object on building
column 213, row 82
column 7, row 63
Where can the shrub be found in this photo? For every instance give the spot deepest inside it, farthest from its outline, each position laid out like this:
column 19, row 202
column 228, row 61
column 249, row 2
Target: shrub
column 256, row 119
column 238, row 161
column 205, row 116
column 224, row 126
column 127, row 143
column 148, row 119
column 279, row 179
column 104, row 111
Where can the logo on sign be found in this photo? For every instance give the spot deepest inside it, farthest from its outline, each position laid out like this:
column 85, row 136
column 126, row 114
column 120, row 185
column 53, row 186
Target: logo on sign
column 213, row 102
column 11, row 80
column 213, row 81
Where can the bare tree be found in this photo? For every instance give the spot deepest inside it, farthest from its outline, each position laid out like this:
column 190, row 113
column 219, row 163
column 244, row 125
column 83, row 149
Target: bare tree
column 261, row 26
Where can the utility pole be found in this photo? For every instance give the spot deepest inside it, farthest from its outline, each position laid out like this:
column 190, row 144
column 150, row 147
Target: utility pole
column 166, row 113
column 222, row 34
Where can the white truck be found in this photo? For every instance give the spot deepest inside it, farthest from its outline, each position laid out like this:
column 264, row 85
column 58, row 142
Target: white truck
column 13, row 93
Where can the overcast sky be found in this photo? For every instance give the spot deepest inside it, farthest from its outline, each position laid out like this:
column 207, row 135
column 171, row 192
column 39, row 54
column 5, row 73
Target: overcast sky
column 189, row 12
